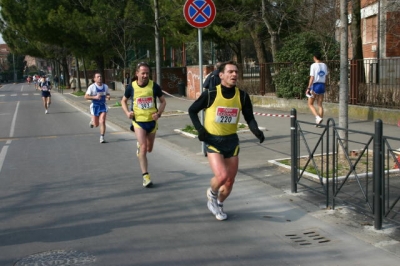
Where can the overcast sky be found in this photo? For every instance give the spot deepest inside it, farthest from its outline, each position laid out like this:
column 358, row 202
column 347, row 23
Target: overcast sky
column 1, row 39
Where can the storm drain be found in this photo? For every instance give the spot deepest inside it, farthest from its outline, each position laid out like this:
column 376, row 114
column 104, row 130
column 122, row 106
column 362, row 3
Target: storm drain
column 57, row 257
column 307, row 238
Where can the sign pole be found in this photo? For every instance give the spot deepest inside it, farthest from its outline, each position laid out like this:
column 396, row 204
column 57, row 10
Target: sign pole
column 200, row 14
column 201, row 81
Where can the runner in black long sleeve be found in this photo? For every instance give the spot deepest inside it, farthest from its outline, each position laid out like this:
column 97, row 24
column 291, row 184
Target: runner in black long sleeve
column 223, row 106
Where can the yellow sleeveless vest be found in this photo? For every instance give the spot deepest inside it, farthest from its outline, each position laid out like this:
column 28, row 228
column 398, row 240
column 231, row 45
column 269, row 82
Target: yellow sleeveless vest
column 222, row 117
column 144, row 102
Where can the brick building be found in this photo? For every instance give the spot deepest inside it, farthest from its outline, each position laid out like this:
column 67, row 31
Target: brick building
column 4, row 51
column 380, row 28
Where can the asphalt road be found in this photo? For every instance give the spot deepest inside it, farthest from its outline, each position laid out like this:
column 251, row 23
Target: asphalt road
column 66, row 199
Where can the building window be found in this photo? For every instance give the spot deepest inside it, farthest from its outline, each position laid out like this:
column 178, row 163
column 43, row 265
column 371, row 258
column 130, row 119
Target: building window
column 370, row 30
column 393, row 34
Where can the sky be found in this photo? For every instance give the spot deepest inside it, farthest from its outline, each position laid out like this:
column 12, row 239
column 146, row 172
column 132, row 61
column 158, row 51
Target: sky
column 1, row 39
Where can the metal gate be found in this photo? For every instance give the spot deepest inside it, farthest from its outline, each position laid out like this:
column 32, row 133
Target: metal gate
column 356, row 167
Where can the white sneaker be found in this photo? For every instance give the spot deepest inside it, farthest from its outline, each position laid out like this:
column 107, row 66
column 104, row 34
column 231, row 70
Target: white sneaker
column 102, row 139
column 221, row 215
column 212, row 203
column 318, row 120
column 46, row 112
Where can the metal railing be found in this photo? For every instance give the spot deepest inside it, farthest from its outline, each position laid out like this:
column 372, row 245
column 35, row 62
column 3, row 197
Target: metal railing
column 356, row 167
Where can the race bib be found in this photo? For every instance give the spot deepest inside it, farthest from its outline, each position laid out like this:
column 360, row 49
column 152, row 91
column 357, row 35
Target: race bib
column 226, row 115
column 45, row 88
column 145, row 102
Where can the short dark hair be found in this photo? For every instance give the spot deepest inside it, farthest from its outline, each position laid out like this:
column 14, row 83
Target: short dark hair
column 95, row 73
column 142, row 64
column 317, row 55
column 223, row 64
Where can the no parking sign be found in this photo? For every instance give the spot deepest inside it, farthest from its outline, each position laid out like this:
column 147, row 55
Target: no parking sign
column 199, row 13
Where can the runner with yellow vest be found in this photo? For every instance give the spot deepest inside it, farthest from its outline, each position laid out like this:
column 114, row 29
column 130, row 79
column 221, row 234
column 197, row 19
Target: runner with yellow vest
column 223, row 106
column 144, row 114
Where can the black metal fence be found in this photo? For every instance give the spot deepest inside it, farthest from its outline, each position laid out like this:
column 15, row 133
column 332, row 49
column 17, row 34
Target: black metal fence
column 372, row 82
column 356, row 167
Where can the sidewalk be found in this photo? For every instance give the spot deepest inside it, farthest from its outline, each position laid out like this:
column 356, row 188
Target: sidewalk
column 254, row 161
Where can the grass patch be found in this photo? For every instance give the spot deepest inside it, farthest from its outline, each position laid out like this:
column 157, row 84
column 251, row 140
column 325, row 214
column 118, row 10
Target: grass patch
column 117, row 104
column 190, row 129
column 343, row 166
column 79, row 93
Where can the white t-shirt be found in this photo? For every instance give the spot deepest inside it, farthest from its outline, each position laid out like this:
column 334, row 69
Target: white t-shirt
column 94, row 89
column 319, row 71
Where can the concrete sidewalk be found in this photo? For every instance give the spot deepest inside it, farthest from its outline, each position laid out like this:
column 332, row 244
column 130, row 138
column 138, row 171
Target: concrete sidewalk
column 254, row 159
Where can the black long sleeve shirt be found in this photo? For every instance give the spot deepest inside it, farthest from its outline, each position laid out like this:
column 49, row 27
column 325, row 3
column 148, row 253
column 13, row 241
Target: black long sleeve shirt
column 207, row 98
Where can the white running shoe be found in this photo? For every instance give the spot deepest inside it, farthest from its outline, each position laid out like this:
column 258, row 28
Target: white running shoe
column 212, row 203
column 221, row 215
column 102, row 139
column 46, row 112
column 318, row 120
column 147, row 181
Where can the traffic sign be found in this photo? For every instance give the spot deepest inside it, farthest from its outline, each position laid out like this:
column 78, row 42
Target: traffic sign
column 199, row 13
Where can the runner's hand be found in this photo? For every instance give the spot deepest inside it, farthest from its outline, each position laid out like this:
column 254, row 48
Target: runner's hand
column 260, row 136
column 202, row 134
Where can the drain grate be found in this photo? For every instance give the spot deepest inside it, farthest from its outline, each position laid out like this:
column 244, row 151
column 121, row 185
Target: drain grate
column 307, row 238
column 57, row 257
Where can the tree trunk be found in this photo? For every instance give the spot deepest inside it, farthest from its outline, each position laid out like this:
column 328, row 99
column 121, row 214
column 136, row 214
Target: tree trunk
column 356, row 40
column 78, row 74
column 100, row 66
column 85, row 73
column 356, row 30
column 261, row 57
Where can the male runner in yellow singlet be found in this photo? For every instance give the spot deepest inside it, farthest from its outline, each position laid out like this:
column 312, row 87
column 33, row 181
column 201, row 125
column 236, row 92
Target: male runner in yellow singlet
column 145, row 114
column 223, row 105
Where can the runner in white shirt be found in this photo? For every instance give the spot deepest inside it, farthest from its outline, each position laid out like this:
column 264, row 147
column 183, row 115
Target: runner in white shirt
column 316, row 87
column 98, row 93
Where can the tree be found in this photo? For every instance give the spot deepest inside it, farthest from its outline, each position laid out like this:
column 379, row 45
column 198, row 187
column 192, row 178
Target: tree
column 276, row 14
column 297, row 51
column 356, row 41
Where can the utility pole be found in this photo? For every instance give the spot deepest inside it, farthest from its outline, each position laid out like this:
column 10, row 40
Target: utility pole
column 15, row 74
column 344, row 64
column 157, row 42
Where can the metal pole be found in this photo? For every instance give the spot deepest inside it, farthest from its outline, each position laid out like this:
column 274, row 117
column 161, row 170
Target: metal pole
column 201, row 83
column 293, row 142
column 15, row 76
column 378, row 173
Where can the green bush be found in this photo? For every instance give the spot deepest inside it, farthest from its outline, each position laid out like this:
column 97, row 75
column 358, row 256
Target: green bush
column 291, row 80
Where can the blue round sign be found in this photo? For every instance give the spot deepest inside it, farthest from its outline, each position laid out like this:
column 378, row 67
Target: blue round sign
column 199, row 13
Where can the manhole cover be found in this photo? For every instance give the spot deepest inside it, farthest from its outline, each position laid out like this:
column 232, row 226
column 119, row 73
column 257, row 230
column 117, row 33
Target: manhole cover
column 307, row 238
column 57, row 257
